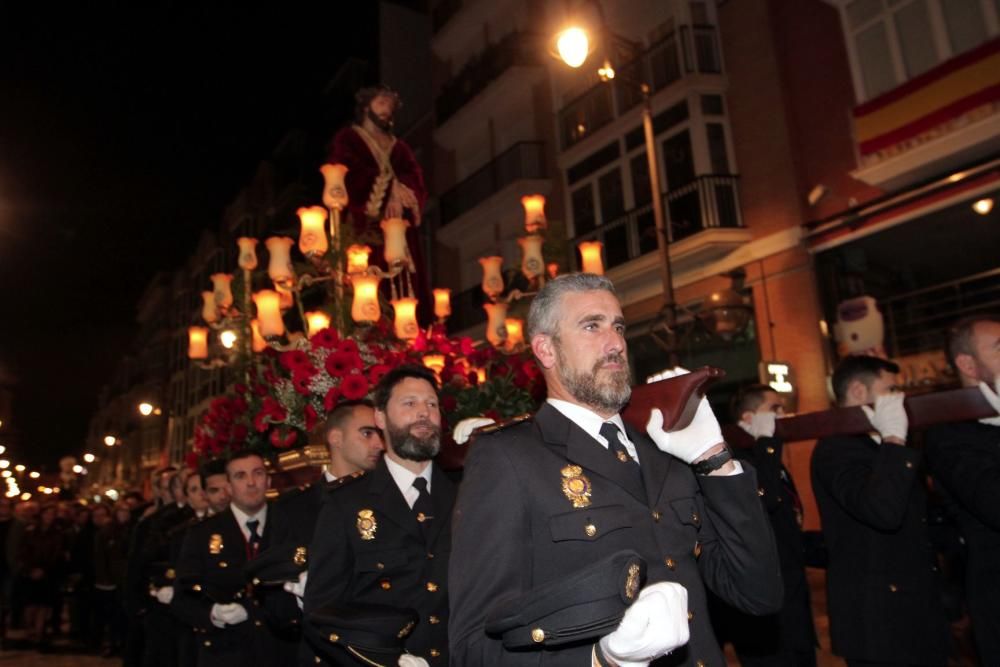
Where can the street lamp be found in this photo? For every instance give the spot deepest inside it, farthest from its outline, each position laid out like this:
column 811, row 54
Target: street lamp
column 110, row 440
column 573, row 47
column 89, row 458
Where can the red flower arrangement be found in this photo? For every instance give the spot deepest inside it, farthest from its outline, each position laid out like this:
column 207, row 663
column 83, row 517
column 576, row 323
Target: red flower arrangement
column 292, row 390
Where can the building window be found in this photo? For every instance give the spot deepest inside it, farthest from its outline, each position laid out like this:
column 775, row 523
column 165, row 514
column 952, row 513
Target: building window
column 717, row 152
column 583, row 209
column 893, row 41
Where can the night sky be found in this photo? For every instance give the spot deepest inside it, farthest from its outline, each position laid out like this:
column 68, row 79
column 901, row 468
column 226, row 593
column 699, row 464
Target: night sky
column 123, row 132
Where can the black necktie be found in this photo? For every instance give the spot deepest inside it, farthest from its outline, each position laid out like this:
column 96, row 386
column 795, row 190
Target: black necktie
column 423, row 508
column 254, row 542
column 610, row 432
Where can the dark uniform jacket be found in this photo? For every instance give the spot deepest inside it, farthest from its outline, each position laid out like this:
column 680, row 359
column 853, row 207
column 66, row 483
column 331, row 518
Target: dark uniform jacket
column 516, row 528
column 160, row 628
column 883, row 588
column 209, row 571
column 965, row 459
column 387, row 560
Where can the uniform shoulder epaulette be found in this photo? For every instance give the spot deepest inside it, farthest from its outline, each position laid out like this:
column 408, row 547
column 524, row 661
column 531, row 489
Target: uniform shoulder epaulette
column 500, row 427
column 341, row 482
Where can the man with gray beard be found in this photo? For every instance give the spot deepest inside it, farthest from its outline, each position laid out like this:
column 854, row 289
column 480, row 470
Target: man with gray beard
column 384, row 538
column 543, row 499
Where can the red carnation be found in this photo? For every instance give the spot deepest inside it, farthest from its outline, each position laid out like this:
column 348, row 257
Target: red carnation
column 348, row 345
column 293, row 359
column 283, row 440
column 260, row 389
column 326, row 338
column 310, row 417
column 330, row 400
column 500, row 370
column 191, row 460
column 240, row 388
column 300, row 382
column 354, row 387
column 341, row 363
column 419, row 344
column 239, row 433
column 377, row 371
column 466, row 345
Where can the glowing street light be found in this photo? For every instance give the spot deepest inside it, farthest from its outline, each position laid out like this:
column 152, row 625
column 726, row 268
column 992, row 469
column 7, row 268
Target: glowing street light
column 19, row 467
column 78, row 468
column 110, row 440
column 228, row 339
column 89, row 458
column 145, row 409
column 34, row 474
column 4, row 464
column 573, row 46
column 2, row 449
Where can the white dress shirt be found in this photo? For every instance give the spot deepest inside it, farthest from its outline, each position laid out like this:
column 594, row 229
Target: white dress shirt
column 242, row 518
column 591, row 423
column 404, row 479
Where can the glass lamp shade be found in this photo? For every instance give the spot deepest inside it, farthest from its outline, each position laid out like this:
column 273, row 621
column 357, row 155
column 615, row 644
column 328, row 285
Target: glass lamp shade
column 515, row 331
column 259, row 344
column 222, row 289
column 334, row 190
column 442, row 303
column 405, row 321
column 496, row 328
column 534, row 213
column 312, row 236
column 365, row 307
column 573, row 46
column 209, row 311
column 532, row 262
column 726, row 315
column 248, row 253
column 435, row 362
column 198, row 342
column 590, row 257
column 394, row 231
column 317, row 320
column 279, row 268
column 269, row 320
column 357, row 258
column 492, row 278
column 286, row 297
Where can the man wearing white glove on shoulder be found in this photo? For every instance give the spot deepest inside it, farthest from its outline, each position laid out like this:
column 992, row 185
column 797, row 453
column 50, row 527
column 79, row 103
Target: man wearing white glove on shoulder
column 543, row 498
column 964, row 459
column 882, row 571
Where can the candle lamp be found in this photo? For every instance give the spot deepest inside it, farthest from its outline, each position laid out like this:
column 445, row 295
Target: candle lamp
column 268, row 304
column 248, row 253
column 394, row 231
column 312, row 237
column 496, row 329
column 197, row 342
column 405, row 322
column 357, row 258
column 365, row 308
column 534, row 213
column 279, row 268
column 317, row 320
column 515, row 333
column 590, row 257
column 492, row 278
column 222, row 290
column 442, row 303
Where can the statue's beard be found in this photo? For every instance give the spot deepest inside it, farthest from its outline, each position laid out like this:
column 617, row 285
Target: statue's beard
column 384, row 124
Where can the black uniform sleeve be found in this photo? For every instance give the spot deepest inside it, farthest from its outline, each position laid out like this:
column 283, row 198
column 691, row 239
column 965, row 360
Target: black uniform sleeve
column 330, row 559
column 967, row 461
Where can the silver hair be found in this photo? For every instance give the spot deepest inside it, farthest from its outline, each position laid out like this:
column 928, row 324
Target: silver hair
column 543, row 317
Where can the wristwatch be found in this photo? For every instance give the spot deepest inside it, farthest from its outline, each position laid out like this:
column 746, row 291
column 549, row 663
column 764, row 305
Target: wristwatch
column 713, row 463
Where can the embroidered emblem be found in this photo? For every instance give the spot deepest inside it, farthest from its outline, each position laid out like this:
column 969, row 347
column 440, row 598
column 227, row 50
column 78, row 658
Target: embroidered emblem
column 215, row 544
column 406, row 630
column 300, row 556
column 632, row 581
column 576, row 486
column 367, row 524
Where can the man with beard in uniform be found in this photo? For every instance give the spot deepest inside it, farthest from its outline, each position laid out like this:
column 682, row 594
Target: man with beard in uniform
column 576, row 485
column 965, row 458
column 385, row 537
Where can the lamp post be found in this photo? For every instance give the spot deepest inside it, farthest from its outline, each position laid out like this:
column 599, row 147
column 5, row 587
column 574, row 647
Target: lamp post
column 573, row 46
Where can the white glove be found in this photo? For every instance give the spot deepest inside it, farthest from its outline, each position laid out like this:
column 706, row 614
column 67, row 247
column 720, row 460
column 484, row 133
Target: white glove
column 297, row 588
column 463, row 429
column 163, row 595
column 654, row 625
column 407, row 660
column 227, row 614
column 993, row 399
column 761, row 425
column 689, row 443
column 889, row 415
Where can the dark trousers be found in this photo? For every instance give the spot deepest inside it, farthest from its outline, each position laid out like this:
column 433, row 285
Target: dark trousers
column 109, row 620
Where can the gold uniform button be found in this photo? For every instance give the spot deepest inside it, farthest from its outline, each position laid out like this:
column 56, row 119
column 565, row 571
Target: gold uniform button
column 432, row 587
column 258, row 623
column 909, row 464
column 334, row 637
column 690, row 615
column 769, row 450
column 893, row 588
column 223, row 563
column 435, row 653
column 670, row 562
column 695, row 517
column 429, row 556
column 590, row 529
column 208, row 643
column 380, row 566
column 385, row 584
column 656, row 515
column 760, row 491
column 538, row 635
column 196, row 588
column 434, row 620
column 700, row 663
column 319, row 660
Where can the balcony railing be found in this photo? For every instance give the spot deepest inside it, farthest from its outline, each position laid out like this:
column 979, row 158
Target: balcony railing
column 517, row 48
column 522, row 160
column 708, row 202
column 691, row 50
